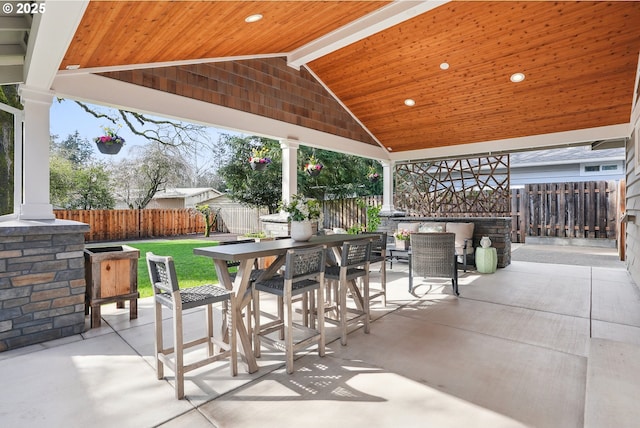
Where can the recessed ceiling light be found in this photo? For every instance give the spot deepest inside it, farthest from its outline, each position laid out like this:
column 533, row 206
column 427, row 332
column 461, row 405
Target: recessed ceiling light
column 517, row 77
column 444, row 66
column 409, row 102
column 390, row 149
column 73, row 67
column 253, row 18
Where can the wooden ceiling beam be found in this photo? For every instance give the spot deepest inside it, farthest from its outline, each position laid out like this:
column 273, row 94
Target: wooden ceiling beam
column 378, row 20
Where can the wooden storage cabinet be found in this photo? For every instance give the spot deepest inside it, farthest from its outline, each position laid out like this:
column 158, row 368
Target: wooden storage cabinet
column 111, row 274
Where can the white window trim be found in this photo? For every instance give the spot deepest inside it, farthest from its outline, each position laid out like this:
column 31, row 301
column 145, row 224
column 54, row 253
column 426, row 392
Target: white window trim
column 600, row 171
column 18, row 119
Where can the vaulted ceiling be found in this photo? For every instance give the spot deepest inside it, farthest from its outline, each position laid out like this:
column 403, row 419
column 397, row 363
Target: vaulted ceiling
column 453, row 59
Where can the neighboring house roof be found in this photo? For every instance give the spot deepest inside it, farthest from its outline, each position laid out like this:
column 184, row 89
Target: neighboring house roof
column 184, row 192
column 566, row 155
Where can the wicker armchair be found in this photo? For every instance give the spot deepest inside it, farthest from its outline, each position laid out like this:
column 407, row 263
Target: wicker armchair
column 167, row 293
column 433, row 255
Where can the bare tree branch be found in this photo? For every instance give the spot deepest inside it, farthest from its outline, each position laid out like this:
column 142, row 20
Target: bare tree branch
column 94, row 113
column 166, row 132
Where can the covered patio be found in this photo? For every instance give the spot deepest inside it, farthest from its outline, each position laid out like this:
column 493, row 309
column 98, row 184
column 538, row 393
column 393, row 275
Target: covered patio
column 545, row 345
column 532, row 344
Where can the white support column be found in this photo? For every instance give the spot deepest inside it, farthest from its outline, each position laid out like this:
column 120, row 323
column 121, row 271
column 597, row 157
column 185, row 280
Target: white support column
column 387, row 187
column 289, row 168
column 35, row 156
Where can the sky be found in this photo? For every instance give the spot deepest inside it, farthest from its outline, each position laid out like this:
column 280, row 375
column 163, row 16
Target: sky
column 66, row 117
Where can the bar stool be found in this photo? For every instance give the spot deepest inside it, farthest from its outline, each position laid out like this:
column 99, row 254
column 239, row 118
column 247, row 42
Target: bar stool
column 303, row 274
column 354, row 265
column 167, row 293
column 379, row 255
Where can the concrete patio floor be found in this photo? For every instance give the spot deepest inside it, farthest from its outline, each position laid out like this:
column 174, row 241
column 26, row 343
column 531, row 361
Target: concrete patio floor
column 544, row 345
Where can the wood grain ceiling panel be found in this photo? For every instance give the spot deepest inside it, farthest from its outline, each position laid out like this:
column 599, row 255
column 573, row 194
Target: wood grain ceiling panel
column 138, row 32
column 579, row 59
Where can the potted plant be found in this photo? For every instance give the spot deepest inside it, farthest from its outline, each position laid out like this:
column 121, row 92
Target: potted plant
column 403, row 239
column 313, row 166
column 259, row 159
column 301, row 212
column 110, row 143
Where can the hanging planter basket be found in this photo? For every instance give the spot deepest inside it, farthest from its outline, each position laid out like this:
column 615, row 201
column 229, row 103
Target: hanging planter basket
column 109, row 149
column 110, row 143
column 373, row 178
column 259, row 159
column 313, row 167
column 259, row 166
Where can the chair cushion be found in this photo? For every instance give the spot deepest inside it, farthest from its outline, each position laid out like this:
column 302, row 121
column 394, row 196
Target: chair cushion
column 411, row 227
column 431, row 227
column 462, row 231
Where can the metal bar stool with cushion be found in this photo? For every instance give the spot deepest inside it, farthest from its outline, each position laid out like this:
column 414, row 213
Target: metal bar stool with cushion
column 167, row 293
column 354, row 264
column 379, row 255
column 433, row 255
column 304, row 273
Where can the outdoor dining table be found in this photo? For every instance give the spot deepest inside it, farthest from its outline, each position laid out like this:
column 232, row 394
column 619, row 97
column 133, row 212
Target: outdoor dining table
column 246, row 254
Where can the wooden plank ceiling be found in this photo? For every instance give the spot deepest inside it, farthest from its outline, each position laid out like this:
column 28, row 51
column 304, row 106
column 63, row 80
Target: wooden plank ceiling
column 579, row 60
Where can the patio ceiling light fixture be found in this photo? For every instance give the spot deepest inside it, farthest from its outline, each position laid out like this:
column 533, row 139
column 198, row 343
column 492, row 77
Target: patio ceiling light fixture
column 517, row 77
column 73, row 67
column 253, row 18
column 409, row 102
column 444, row 66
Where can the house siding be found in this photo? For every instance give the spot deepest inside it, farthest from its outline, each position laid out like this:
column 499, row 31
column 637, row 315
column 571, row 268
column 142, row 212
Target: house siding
column 633, row 209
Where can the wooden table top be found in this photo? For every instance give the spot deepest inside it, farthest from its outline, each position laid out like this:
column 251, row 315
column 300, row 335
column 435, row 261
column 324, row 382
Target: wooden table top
column 252, row 250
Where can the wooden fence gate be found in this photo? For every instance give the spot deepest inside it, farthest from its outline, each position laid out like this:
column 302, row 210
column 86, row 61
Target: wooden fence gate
column 566, row 210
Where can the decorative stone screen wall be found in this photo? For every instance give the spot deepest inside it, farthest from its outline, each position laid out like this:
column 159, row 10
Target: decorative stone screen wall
column 474, row 187
column 42, row 283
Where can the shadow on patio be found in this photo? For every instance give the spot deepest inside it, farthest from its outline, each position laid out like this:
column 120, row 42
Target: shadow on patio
column 546, row 345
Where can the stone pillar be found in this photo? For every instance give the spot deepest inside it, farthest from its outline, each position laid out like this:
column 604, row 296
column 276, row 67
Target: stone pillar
column 35, row 157
column 289, row 168
column 42, row 281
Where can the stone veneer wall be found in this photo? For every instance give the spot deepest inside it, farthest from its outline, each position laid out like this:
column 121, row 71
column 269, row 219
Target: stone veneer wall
column 498, row 229
column 42, row 283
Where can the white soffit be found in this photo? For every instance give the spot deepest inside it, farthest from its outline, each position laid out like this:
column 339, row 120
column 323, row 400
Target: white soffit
column 532, row 142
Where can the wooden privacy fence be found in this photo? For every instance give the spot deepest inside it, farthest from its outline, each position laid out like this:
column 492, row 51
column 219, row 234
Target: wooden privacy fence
column 566, row 210
column 110, row 225
column 347, row 212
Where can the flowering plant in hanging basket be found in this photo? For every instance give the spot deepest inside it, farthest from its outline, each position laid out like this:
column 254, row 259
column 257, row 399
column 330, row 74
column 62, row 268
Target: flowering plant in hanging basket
column 373, row 175
column 259, row 159
column 109, row 143
column 313, row 167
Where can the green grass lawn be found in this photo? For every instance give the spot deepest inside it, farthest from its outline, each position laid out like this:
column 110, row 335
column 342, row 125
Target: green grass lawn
column 191, row 269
